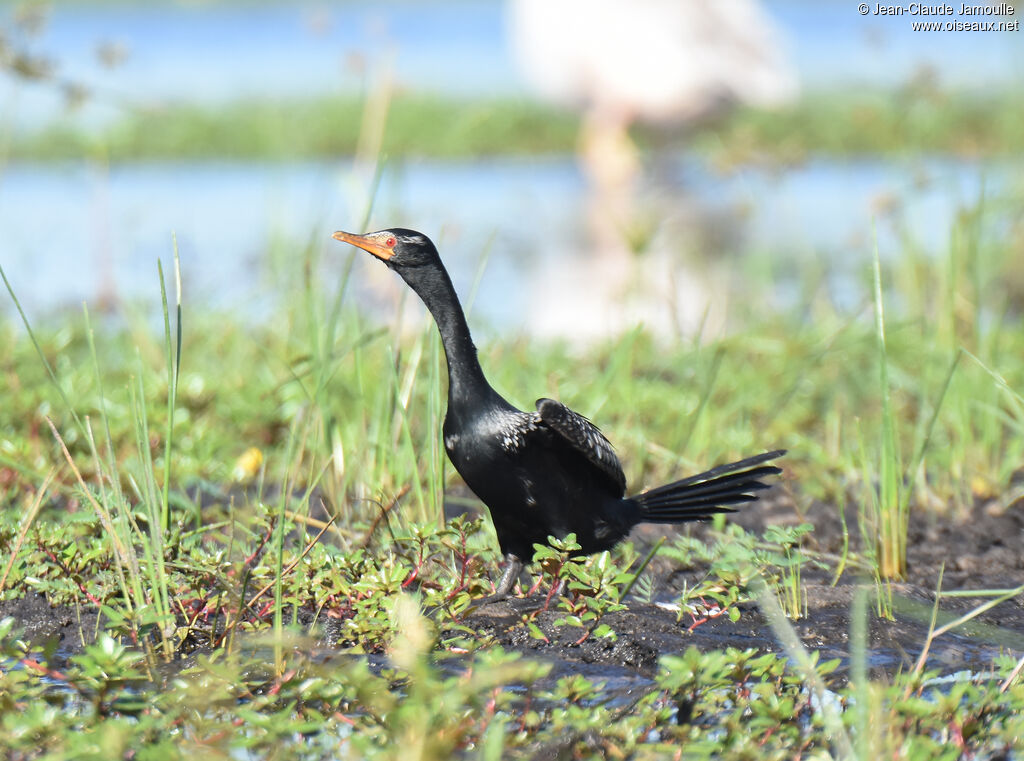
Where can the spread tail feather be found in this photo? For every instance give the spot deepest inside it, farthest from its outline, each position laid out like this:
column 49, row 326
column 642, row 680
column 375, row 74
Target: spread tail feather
column 701, row 496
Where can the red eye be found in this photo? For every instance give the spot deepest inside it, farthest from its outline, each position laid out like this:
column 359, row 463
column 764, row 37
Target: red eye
column 390, row 242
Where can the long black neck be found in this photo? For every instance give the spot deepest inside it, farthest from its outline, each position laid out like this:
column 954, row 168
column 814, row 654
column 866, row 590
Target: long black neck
column 466, row 381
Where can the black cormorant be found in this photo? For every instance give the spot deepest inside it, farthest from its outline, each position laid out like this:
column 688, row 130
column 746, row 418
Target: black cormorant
column 549, row 471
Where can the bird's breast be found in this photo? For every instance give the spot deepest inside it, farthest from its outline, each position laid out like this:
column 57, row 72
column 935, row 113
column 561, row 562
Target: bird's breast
column 487, row 447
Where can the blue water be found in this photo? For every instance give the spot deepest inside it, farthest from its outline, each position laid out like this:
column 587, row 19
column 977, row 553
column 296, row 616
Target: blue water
column 70, row 232
column 75, row 232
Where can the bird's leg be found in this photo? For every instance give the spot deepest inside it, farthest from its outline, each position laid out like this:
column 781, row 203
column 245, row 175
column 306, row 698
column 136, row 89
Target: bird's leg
column 513, row 567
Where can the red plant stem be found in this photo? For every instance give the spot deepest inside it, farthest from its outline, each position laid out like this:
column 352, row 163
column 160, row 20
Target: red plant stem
column 35, row 665
column 68, row 572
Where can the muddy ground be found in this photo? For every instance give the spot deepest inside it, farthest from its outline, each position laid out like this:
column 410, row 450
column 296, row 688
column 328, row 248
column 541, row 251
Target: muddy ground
column 979, row 551
column 982, row 551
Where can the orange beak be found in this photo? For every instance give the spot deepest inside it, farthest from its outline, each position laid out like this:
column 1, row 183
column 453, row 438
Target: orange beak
column 367, row 243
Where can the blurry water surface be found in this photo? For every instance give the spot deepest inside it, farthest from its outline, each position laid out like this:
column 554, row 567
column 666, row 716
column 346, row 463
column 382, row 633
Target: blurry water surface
column 74, row 232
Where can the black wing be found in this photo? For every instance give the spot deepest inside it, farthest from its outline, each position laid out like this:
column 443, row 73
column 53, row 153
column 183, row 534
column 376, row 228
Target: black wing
column 584, row 437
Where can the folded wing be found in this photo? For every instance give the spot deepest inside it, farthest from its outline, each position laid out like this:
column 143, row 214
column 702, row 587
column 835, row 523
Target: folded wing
column 584, row 437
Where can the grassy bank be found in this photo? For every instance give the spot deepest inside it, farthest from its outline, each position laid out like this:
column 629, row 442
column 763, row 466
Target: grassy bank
column 244, row 385
column 880, row 123
column 304, row 129
column 899, row 122
column 214, row 498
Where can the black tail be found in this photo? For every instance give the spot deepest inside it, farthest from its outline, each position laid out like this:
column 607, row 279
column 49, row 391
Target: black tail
column 705, row 494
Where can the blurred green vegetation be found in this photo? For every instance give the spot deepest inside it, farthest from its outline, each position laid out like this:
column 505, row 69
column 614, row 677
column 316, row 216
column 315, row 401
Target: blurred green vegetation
column 312, row 412
column 345, row 414
column 374, row 405
column 272, row 426
column 904, row 121
column 838, row 124
column 301, row 129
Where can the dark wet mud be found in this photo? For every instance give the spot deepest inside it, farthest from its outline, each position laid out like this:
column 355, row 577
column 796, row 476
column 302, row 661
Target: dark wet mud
column 984, row 550
column 67, row 627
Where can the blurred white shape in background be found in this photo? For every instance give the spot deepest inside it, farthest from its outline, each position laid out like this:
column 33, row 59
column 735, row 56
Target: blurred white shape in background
column 661, row 62
column 651, row 60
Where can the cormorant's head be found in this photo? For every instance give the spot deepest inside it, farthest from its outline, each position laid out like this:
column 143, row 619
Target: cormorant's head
column 397, row 247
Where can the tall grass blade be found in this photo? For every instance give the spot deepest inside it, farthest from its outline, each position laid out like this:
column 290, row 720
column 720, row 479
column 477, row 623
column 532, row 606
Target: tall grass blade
column 1016, row 399
column 108, row 466
column 39, row 350
column 859, row 666
column 25, row 524
column 892, row 550
column 154, row 544
column 923, row 446
column 173, row 356
column 705, row 397
column 802, row 664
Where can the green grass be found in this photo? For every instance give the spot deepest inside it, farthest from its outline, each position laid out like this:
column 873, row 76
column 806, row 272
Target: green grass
column 144, row 500
column 222, row 489
column 908, row 121
column 905, row 121
column 332, row 399
column 312, row 128
column 384, row 432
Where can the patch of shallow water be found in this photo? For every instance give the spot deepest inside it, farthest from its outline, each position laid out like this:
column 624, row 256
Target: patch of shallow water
column 76, row 232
